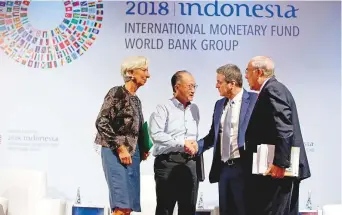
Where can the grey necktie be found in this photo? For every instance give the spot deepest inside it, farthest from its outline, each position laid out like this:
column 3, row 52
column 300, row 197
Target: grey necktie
column 226, row 133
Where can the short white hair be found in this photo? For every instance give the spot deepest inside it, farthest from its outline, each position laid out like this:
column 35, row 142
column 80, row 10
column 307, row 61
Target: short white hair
column 132, row 63
column 263, row 63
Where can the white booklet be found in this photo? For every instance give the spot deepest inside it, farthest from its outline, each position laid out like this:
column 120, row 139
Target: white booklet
column 263, row 158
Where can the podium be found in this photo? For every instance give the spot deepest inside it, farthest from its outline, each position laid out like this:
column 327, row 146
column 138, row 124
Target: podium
column 88, row 210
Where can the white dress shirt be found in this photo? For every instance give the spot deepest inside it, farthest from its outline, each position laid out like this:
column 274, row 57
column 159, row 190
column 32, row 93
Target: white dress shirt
column 171, row 124
column 234, row 126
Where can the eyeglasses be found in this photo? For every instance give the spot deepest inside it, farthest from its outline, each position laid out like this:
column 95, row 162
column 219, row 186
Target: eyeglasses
column 192, row 86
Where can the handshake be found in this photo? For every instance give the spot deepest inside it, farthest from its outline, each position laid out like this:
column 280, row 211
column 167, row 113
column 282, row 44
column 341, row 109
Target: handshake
column 191, row 147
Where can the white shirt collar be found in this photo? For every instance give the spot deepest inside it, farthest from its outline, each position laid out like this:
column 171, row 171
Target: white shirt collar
column 178, row 104
column 238, row 97
column 263, row 84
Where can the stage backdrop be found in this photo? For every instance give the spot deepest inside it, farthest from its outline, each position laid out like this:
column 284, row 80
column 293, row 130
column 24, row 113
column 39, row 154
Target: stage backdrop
column 59, row 58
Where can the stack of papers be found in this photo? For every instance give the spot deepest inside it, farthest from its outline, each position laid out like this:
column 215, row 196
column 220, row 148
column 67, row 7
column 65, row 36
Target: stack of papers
column 263, row 158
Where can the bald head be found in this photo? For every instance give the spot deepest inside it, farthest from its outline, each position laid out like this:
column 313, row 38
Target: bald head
column 263, row 63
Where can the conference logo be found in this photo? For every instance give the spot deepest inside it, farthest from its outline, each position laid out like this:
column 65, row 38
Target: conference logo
column 31, row 140
column 309, row 147
column 52, row 48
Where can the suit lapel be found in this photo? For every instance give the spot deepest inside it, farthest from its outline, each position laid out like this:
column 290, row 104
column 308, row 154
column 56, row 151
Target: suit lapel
column 244, row 107
column 218, row 114
column 217, row 119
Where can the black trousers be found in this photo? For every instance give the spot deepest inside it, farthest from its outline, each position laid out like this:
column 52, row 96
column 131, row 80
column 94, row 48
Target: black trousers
column 176, row 181
column 232, row 189
column 269, row 196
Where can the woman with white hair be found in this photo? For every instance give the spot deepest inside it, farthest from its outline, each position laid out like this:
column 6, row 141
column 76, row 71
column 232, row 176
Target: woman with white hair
column 119, row 126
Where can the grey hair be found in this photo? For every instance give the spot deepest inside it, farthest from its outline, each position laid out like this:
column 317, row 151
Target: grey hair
column 231, row 73
column 263, row 63
column 132, row 63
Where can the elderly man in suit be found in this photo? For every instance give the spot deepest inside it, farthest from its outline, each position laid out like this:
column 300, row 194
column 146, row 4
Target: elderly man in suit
column 227, row 136
column 274, row 121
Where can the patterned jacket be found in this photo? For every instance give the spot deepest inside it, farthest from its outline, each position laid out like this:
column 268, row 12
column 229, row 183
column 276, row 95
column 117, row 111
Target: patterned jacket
column 118, row 121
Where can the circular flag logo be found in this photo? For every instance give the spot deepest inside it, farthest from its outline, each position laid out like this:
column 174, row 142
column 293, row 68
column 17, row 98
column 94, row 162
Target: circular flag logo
column 49, row 48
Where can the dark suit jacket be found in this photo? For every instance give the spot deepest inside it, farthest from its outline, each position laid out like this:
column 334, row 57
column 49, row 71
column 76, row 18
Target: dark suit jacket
column 118, row 122
column 213, row 139
column 275, row 121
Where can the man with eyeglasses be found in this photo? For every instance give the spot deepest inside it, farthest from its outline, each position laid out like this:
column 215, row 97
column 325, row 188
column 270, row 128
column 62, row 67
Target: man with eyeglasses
column 174, row 131
column 227, row 136
column 274, row 121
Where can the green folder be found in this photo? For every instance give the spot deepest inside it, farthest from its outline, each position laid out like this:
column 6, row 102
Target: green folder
column 146, row 140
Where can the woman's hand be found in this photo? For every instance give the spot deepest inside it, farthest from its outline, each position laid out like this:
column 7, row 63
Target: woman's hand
column 125, row 157
column 145, row 155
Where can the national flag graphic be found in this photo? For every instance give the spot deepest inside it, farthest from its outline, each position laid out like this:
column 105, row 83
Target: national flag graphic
column 74, row 21
column 57, row 31
column 79, row 28
column 22, row 15
column 62, row 27
column 61, row 45
column 84, row 3
column 68, row 9
column 99, row 18
column 99, row 12
column 91, row 4
column 68, row 59
column 68, row 31
column 99, row 6
column 10, row 3
column 97, row 25
column 66, row 42
column 76, row 45
column 76, row 3
column 27, row 3
column 92, row 10
column 74, row 55
column 68, row 15
column 7, row 21
column 91, row 17
column 66, row 21
column 95, row 31
column 80, row 52
column 2, row 3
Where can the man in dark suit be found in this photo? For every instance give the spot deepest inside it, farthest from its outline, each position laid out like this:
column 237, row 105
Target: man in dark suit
column 274, row 121
column 227, row 136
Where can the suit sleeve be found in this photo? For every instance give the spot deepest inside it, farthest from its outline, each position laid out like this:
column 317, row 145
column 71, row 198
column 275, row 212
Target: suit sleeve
column 114, row 131
column 208, row 141
column 282, row 113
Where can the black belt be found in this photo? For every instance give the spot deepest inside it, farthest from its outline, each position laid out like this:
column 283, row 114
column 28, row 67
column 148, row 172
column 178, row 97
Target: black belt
column 178, row 157
column 232, row 162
